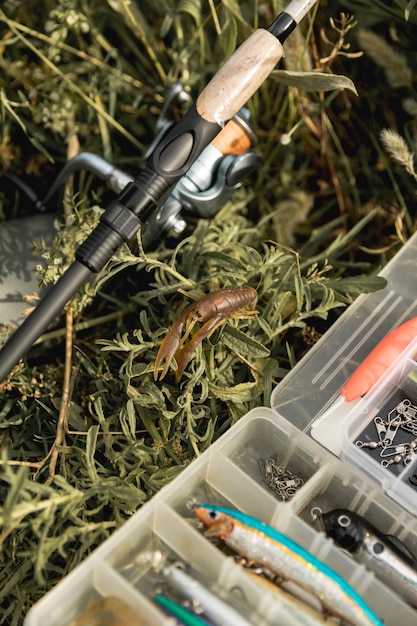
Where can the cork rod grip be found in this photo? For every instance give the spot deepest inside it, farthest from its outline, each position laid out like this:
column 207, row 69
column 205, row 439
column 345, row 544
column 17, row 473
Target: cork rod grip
column 233, row 139
column 240, row 77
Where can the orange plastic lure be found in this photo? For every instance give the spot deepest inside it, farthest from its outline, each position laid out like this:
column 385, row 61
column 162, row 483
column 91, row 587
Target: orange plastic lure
column 379, row 360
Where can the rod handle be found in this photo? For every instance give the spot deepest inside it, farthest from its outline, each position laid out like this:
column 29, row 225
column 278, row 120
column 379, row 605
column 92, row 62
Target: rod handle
column 240, row 77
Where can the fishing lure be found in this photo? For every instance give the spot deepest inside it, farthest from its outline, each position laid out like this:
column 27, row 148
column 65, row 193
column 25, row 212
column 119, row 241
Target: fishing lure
column 391, row 561
column 299, row 612
column 379, row 360
column 213, row 607
column 186, row 617
column 262, row 544
column 212, row 311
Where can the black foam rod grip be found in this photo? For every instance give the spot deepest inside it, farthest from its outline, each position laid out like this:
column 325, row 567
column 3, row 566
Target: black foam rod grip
column 182, row 145
column 38, row 321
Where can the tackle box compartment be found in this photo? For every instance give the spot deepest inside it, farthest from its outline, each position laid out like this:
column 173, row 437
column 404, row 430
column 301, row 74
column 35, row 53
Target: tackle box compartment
column 330, row 467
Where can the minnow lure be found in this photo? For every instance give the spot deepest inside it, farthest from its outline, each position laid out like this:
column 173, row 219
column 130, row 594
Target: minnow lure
column 262, row 544
column 180, row 613
column 379, row 360
column 299, row 612
column 213, row 607
column 391, row 561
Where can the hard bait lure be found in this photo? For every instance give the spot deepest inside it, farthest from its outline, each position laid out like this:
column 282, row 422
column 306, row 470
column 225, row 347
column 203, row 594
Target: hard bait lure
column 300, row 613
column 178, row 611
column 213, row 607
column 379, row 360
column 385, row 555
column 262, row 544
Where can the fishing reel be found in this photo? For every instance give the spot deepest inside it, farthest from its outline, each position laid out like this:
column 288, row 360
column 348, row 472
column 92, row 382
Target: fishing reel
column 208, row 185
column 210, row 182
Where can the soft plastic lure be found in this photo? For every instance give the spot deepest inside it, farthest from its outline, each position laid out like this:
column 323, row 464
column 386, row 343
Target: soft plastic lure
column 385, row 555
column 183, row 615
column 262, row 544
column 379, row 360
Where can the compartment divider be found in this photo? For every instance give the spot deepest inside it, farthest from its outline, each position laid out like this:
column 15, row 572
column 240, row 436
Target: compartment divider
column 109, row 582
column 187, row 541
column 314, row 485
column 242, row 491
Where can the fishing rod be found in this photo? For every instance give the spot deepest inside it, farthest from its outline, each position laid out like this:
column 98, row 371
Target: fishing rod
column 226, row 93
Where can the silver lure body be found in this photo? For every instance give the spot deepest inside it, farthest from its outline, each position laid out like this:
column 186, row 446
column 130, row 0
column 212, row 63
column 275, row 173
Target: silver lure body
column 280, row 561
column 216, row 609
column 262, row 544
column 391, row 563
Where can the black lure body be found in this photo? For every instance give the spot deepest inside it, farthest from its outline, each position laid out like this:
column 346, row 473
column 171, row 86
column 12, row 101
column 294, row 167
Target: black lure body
column 385, row 555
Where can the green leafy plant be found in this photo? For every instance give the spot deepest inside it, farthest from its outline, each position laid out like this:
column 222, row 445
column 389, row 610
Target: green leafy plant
column 88, row 436
column 372, row 12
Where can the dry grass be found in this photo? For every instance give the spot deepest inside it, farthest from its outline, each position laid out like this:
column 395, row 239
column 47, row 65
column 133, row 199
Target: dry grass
column 86, row 437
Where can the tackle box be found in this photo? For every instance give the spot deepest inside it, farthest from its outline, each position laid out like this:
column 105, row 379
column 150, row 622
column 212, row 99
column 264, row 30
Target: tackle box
column 308, row 440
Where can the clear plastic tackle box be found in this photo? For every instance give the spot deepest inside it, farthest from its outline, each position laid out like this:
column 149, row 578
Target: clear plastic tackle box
column 329, row 457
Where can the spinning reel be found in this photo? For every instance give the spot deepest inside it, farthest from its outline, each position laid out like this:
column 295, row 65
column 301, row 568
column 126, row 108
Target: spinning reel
column 207, row 186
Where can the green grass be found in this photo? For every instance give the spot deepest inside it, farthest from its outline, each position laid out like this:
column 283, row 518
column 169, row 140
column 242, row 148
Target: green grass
column 88, row 436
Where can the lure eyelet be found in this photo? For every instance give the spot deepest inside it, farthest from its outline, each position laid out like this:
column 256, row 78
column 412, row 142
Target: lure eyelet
column 344, row 521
